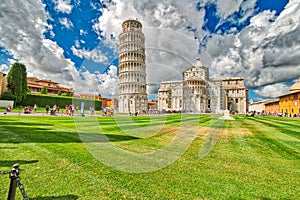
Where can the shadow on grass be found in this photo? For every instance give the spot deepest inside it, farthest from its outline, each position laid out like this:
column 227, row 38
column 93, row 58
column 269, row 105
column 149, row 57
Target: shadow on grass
column 66, row 197
column 102, row 138
column 22, row 132
column 10, row 163
column 18, row 123
column 18, row 135
column 8, row 148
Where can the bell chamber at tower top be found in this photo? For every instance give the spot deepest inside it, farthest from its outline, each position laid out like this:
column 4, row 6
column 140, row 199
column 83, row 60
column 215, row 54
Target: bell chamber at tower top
column 132, row 25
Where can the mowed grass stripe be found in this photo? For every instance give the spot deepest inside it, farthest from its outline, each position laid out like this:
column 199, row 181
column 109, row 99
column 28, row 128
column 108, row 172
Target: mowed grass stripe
column 290, row 128
column 35, row 129
column 275, row 139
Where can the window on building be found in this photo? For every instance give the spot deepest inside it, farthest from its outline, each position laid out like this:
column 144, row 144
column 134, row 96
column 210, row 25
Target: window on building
column 236, row 100
column 295, row 96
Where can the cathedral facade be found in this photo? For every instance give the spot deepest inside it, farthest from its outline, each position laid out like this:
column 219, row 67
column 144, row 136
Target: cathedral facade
column 197, row 93
column 132, row 68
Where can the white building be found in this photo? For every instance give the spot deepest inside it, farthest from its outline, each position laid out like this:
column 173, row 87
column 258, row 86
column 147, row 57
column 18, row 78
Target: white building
column 259, row 106
column 197, row 93
column 237, row 94
column 170, row 96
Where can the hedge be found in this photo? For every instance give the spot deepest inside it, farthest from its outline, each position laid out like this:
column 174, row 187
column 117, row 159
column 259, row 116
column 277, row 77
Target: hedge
column 43, row 100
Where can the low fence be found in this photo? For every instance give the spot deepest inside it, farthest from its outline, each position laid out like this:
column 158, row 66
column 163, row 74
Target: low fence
column 15, row 182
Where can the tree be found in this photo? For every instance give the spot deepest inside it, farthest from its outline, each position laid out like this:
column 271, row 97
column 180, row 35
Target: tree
column 17, row 81
column 8, row 96
column 70, row 94
column 44, row 90
column 59, row 93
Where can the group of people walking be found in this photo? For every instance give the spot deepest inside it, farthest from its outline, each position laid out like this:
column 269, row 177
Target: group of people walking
column 69, row 110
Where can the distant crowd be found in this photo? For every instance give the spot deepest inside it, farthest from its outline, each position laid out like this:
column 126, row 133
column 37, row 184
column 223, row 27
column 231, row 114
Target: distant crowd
column 263, row 113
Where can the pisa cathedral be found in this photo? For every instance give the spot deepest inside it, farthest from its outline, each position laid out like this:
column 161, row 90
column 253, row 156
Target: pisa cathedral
column 195, row 93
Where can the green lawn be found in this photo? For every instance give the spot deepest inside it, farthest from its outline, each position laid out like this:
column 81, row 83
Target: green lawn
column 249, row 158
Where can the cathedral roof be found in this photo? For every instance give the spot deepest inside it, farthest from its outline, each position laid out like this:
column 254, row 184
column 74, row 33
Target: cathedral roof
column 198, row 63
column 296, row 86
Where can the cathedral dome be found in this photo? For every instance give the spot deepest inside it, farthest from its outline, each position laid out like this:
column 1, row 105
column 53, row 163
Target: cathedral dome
column 296, row 86
column 197, row 63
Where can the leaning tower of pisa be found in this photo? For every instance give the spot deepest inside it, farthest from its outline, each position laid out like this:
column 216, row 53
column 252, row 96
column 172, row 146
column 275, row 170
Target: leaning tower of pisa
column 132, row 68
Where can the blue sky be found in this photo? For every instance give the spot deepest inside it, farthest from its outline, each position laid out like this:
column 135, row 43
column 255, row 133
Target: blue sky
column 74, row 42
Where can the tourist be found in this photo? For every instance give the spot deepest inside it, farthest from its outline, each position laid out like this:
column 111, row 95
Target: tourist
column 67, row 109
column 47, row 109
column 54, row 108
column 71, row 110
column 91, row 110
column 8, row 109
column 35, row 107
column 27, row 110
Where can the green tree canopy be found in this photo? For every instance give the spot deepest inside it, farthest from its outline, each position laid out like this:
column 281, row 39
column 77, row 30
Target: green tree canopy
column 8, row 96
column 17, row 81
column 69, row 93
column 44, row 90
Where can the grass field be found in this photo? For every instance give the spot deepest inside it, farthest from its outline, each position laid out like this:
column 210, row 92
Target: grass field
column 251, row 158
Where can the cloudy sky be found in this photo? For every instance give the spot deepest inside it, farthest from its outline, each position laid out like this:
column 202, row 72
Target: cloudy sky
column 75, row 42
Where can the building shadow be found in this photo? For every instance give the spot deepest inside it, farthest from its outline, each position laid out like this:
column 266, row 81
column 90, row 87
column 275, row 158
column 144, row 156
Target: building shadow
column 8, row 148
column 65, row 197
column 30, row 133
column 10, row 163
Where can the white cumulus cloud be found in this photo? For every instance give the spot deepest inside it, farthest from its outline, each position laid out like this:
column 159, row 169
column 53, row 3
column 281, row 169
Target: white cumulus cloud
column 66, row 22
column 63, row 6
column 4, row 68
column 273, row 91
column 105, row 84
column 95, row 55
